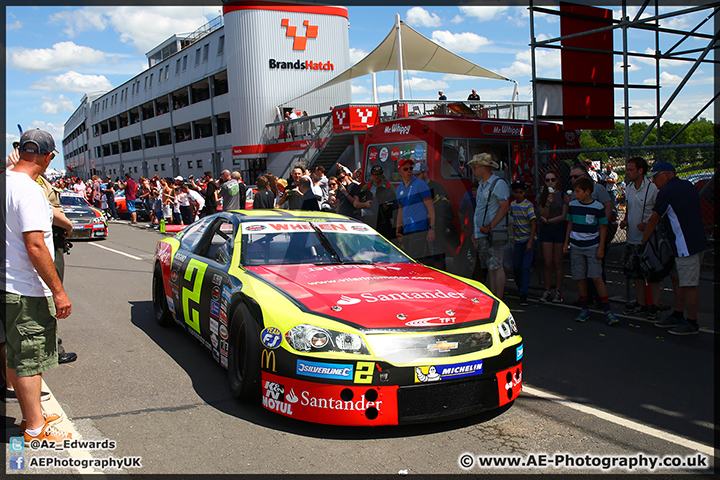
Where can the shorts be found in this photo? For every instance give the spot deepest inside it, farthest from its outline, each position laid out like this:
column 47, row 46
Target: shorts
column 415, row 244
column 687, row 270
column 31, row 329
column 553, row 233
column 167, row 212
column 584, row 263
column 130, row 206
column 490, row 255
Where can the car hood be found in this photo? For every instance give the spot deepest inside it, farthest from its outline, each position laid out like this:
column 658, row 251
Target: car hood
column 80, row 212
column 384, row 296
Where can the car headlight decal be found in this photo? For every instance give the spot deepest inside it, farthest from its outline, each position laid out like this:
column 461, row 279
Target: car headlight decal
column 507, row 328
column 309, row 338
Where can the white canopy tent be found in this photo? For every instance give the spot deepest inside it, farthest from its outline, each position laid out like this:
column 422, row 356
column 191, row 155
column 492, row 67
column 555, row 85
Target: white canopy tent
column 418, row 53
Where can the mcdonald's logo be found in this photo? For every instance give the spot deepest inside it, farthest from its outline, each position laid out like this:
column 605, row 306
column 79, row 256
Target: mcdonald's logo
column 265, row 358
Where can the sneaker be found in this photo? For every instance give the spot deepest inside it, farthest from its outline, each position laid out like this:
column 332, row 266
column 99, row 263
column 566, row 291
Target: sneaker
column 10, row 396
column 653, row 314
column 685, row 328
column 669, row 322
column 50, row 419
column 558, row 297
column 545, row 296
column 49, row 433
column 611, row 318
column 582, row 316
column 523, row 300
column 635, row 309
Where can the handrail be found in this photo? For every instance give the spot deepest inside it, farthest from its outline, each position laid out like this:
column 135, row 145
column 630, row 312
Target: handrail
column 318, row 139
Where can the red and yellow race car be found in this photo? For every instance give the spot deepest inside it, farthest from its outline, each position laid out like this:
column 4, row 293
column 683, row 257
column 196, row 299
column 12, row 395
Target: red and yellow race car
column 321, row 319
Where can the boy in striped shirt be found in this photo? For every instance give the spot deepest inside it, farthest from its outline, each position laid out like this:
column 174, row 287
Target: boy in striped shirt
column 586, row 231
column 524, row 226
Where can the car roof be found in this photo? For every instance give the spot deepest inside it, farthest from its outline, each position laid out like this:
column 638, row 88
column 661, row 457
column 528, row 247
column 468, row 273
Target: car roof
column 299, row 215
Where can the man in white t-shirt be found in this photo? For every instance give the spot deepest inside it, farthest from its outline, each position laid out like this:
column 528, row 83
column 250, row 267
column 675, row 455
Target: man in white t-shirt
column 34, row 298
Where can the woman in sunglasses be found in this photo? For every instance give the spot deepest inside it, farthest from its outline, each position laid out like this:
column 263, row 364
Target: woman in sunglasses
column 552, row 212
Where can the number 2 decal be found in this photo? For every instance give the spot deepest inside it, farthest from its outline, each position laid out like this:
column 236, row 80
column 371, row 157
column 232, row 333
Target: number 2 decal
column 364, row 372
column 194, row 295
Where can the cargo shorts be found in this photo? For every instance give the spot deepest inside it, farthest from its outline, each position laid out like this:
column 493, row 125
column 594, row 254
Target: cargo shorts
column 31, row 330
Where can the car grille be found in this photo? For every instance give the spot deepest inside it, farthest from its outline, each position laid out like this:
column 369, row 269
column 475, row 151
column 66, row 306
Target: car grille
column 446, row 399
column 84, row 233
column 399, row 349
column 83, row 220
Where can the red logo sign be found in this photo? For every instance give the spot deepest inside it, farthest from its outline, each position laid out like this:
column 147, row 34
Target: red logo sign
column 395, row 154
column 372, row 154
column 299, row 43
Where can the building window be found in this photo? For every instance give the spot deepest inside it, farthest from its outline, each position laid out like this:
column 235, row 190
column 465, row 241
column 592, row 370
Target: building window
column 167, row 72
column 146, row 78
column 221, row 45
column 190, row 164
column 199, row 163
column 155, row 166
column 160, row 76
column 162, row 167
column 184, row 62
column 151, row 75
column 206, row 49
column 177, row 66
column 197, row 57
column 135, row 170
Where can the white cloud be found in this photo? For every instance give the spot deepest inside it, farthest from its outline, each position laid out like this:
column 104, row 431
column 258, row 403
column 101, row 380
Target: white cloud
column 633, row 67
column 61, row 56
column 460, row 42
column 55, row 105
column 517, row 69
column 418, row 16
column 417, row 83
column 483, row 14
column 457, row 19
column 16, row 25
column 547, row 62
column 73, row 82
column 356, row 54
column 666, row 79
column 359, row 90
column 143, row 27
column 388, row 89
column 55, row 129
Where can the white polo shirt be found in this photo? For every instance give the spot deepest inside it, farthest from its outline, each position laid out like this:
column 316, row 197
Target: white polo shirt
column 639, row 209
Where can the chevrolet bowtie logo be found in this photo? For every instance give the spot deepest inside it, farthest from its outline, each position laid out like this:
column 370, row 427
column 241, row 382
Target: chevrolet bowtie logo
column 443, row 346
column 311, row 31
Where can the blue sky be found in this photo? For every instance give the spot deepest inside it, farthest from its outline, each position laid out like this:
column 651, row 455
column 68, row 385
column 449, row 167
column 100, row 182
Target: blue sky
column 56, row 54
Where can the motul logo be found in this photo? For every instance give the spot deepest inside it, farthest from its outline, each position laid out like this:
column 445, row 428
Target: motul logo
column 299, row 43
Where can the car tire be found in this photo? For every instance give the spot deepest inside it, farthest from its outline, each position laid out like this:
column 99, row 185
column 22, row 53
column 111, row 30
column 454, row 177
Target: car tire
column 244, row 356
column 160, row 306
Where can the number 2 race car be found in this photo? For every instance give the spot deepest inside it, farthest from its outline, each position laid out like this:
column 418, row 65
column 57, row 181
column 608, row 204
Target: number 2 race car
column 323, row 320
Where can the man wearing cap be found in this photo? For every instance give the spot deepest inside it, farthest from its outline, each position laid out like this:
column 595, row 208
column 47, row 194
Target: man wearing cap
column 678, row 203
column 131, row 189
column 34, row 297
column 378, row 201
column 416, row 216
column 493, row 204
column 109, row 192
column 443, row 214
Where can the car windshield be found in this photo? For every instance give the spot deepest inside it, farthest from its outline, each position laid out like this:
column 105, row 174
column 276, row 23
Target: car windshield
column 72, row 201
column 320, row 243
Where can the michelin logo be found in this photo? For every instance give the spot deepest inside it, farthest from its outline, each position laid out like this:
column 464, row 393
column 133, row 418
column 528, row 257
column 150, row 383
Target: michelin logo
column 434, row 373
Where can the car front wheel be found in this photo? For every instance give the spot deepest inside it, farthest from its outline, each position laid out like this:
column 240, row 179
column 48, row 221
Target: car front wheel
column 160, row 306
column 244, row 356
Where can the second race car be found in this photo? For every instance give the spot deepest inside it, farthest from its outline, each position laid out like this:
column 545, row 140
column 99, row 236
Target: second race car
column 322, row 319
column 88, row 221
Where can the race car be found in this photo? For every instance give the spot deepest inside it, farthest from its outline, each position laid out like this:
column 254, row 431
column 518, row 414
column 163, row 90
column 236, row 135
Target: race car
column 88, row 221
column 322, row 319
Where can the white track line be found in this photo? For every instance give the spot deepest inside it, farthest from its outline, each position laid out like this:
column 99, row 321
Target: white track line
column 51, row 405
column 624, row 422
column 116, row 251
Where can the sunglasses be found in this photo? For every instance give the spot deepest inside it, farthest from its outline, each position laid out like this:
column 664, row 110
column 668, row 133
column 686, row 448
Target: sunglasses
column 574, row 177
column 550, row 179
column 405, row 169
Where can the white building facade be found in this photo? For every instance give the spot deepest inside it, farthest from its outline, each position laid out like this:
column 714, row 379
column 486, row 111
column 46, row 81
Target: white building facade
column 205, row 99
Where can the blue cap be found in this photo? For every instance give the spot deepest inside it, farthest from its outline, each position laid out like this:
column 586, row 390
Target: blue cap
column 661, row 167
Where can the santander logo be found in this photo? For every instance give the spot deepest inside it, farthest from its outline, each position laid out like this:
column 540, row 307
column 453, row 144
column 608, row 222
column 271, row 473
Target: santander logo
column 344, row 300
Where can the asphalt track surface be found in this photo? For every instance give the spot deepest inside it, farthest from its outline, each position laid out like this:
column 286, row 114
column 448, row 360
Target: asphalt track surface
column 590, row 390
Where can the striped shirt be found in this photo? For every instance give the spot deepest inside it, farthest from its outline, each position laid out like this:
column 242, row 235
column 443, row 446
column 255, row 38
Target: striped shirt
column 586, row 220
column 522, row 214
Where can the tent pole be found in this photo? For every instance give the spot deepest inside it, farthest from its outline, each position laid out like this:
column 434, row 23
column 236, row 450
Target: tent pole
column 399, row 56
column 374, row 84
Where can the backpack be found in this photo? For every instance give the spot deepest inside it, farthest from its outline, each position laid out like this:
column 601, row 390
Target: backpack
column 656, row 259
